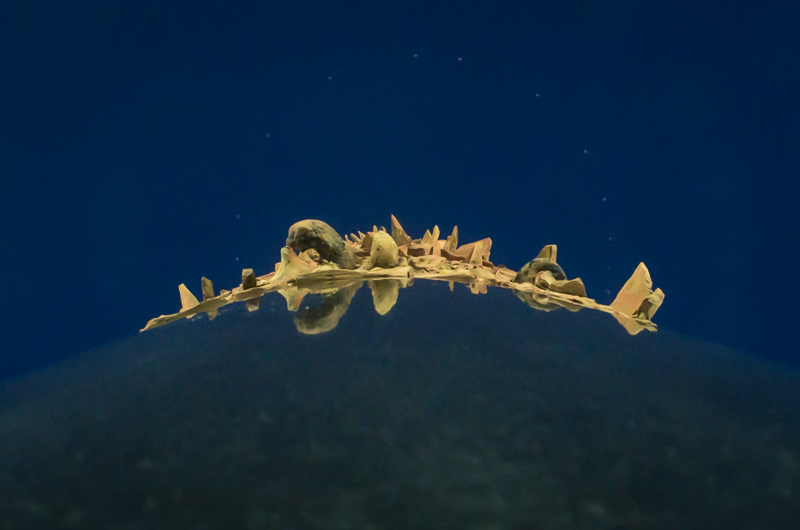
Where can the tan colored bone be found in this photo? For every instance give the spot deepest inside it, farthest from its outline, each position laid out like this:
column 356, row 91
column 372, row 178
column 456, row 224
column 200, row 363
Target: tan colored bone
column 636, row 290
column 383, row 252
column 248, row 279
column 574, row 287
column 426, row 258
column 398, row 234
column 188, row 300
column 549, row 252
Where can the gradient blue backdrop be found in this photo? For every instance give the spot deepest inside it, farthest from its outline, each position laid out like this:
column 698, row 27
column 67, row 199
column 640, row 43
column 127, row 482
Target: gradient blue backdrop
column 144, row 144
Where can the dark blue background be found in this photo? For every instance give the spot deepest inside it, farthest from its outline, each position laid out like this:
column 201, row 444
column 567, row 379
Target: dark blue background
column 145, row 144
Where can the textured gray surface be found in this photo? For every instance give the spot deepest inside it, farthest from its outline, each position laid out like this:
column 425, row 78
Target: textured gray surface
column 451, row 411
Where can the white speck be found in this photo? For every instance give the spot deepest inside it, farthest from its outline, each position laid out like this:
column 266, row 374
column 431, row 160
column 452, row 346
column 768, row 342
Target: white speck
column 460, row 59
column 238, row 216
column 237, row 258
column 267, row 135
column 330, row 77
column 416, row 55
column 610, row 238
column 585, row 152
column 537, row 95
column 604, row 199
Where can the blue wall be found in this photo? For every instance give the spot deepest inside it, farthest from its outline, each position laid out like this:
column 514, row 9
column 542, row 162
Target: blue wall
column 144, row 145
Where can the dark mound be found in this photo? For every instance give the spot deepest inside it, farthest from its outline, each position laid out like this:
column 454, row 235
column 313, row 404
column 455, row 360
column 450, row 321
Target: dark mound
column 452, row 411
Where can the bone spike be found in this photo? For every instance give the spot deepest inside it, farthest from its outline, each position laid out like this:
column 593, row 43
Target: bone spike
column 188, row 300
column 548, row 252
column 208, row 288
column 477, row 253
column 638, row 288
column 452, row 241
column 398, row 234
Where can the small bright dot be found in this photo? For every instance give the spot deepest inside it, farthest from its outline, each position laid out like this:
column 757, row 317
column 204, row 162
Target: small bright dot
column 330, row 77
column 238, row 216
column 610, row 238
column 267, row 135
column 537, row 95
column 604, row 199
column 460, row 59
column 416, row 55
column 237, row 258
column 585, row 152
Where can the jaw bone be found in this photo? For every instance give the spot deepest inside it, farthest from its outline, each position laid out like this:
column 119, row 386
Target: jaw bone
column 326, row 263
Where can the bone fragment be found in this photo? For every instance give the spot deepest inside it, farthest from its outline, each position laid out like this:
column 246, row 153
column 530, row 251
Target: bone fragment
column 188, row 300
column 248, row 279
